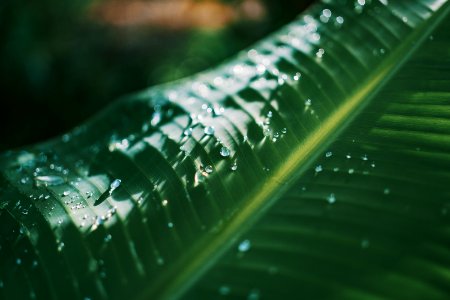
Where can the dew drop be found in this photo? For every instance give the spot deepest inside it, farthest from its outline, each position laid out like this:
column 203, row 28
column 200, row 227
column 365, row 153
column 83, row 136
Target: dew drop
column 224, row 290
column 364, row 157
column 114, row 185
column 160, row 261
column 164, row 202
column 297, row 76
column 66, row 193
column 60, row 246
column 19, row 261
column 224, row 151
column 65, row 138
column 108, row 238
column 209, row 169
column 326, row 12
column 233, row 166
column 331, row 198
column 156, row 118
column 253, row 295
column 386, row 191
column 318, row 169
column 209, row 130
column 244, row 246
column 328, row 154
column 351, row 171
column 339, row 21
column 320, row 53
column 49, row 180
column 365, row 243
column 267, row 131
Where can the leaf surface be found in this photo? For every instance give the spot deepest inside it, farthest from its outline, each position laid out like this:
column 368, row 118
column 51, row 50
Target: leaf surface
column 219, row 184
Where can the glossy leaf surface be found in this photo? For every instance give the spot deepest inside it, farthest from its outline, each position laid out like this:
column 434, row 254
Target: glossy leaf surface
column 219, row 184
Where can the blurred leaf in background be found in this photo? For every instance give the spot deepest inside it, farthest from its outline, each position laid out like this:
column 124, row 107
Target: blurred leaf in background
column 65, row 61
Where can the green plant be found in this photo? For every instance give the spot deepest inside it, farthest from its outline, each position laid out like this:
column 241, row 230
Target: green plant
column 314, row 165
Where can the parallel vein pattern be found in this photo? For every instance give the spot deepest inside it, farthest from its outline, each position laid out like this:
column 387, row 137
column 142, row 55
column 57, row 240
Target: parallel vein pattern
column 141, row 200
column 370, row 219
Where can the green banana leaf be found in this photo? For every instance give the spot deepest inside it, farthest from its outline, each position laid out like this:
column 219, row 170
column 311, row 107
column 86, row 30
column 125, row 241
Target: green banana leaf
column 314, row 165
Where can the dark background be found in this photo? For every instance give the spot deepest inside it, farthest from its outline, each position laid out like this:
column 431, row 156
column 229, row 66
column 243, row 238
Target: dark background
column 62, row 61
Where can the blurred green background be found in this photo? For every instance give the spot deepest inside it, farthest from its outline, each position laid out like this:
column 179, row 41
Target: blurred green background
column 62, row 61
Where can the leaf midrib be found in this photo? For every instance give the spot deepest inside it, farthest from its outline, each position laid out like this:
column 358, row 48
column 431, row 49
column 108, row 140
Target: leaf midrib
column 187, row 270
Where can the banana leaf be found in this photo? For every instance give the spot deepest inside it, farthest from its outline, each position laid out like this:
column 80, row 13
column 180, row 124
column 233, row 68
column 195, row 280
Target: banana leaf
column 313, row 165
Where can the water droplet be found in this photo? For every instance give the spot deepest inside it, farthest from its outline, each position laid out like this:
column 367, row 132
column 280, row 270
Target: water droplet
column 339, row 21
column 224, row 151
column 326, row 12
column 60, row 246
column 351, row 171
column 386, row 191
column 267, row 131
column 160, row 260
column 331, row 198
column 209, row 169
column 297, row 76
column 188, row 132
column 114, row 185
column 364, row 157
column 233, row 166
column 308, row 102
column 156, row 117
column 284, row 130
column 365, row 243
column 164, row 202
column 328, row 154
column 121, row 145
column 170, row 225
column 244, row 246
column 108, row 238
column 49, row 180
column 19, row 261
column 320, row 53
column 65, row 138
column 318, row 169
column 348, row 156
column 209, row 130
column 66, row 193
column 253, row 295
column 224, row 290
